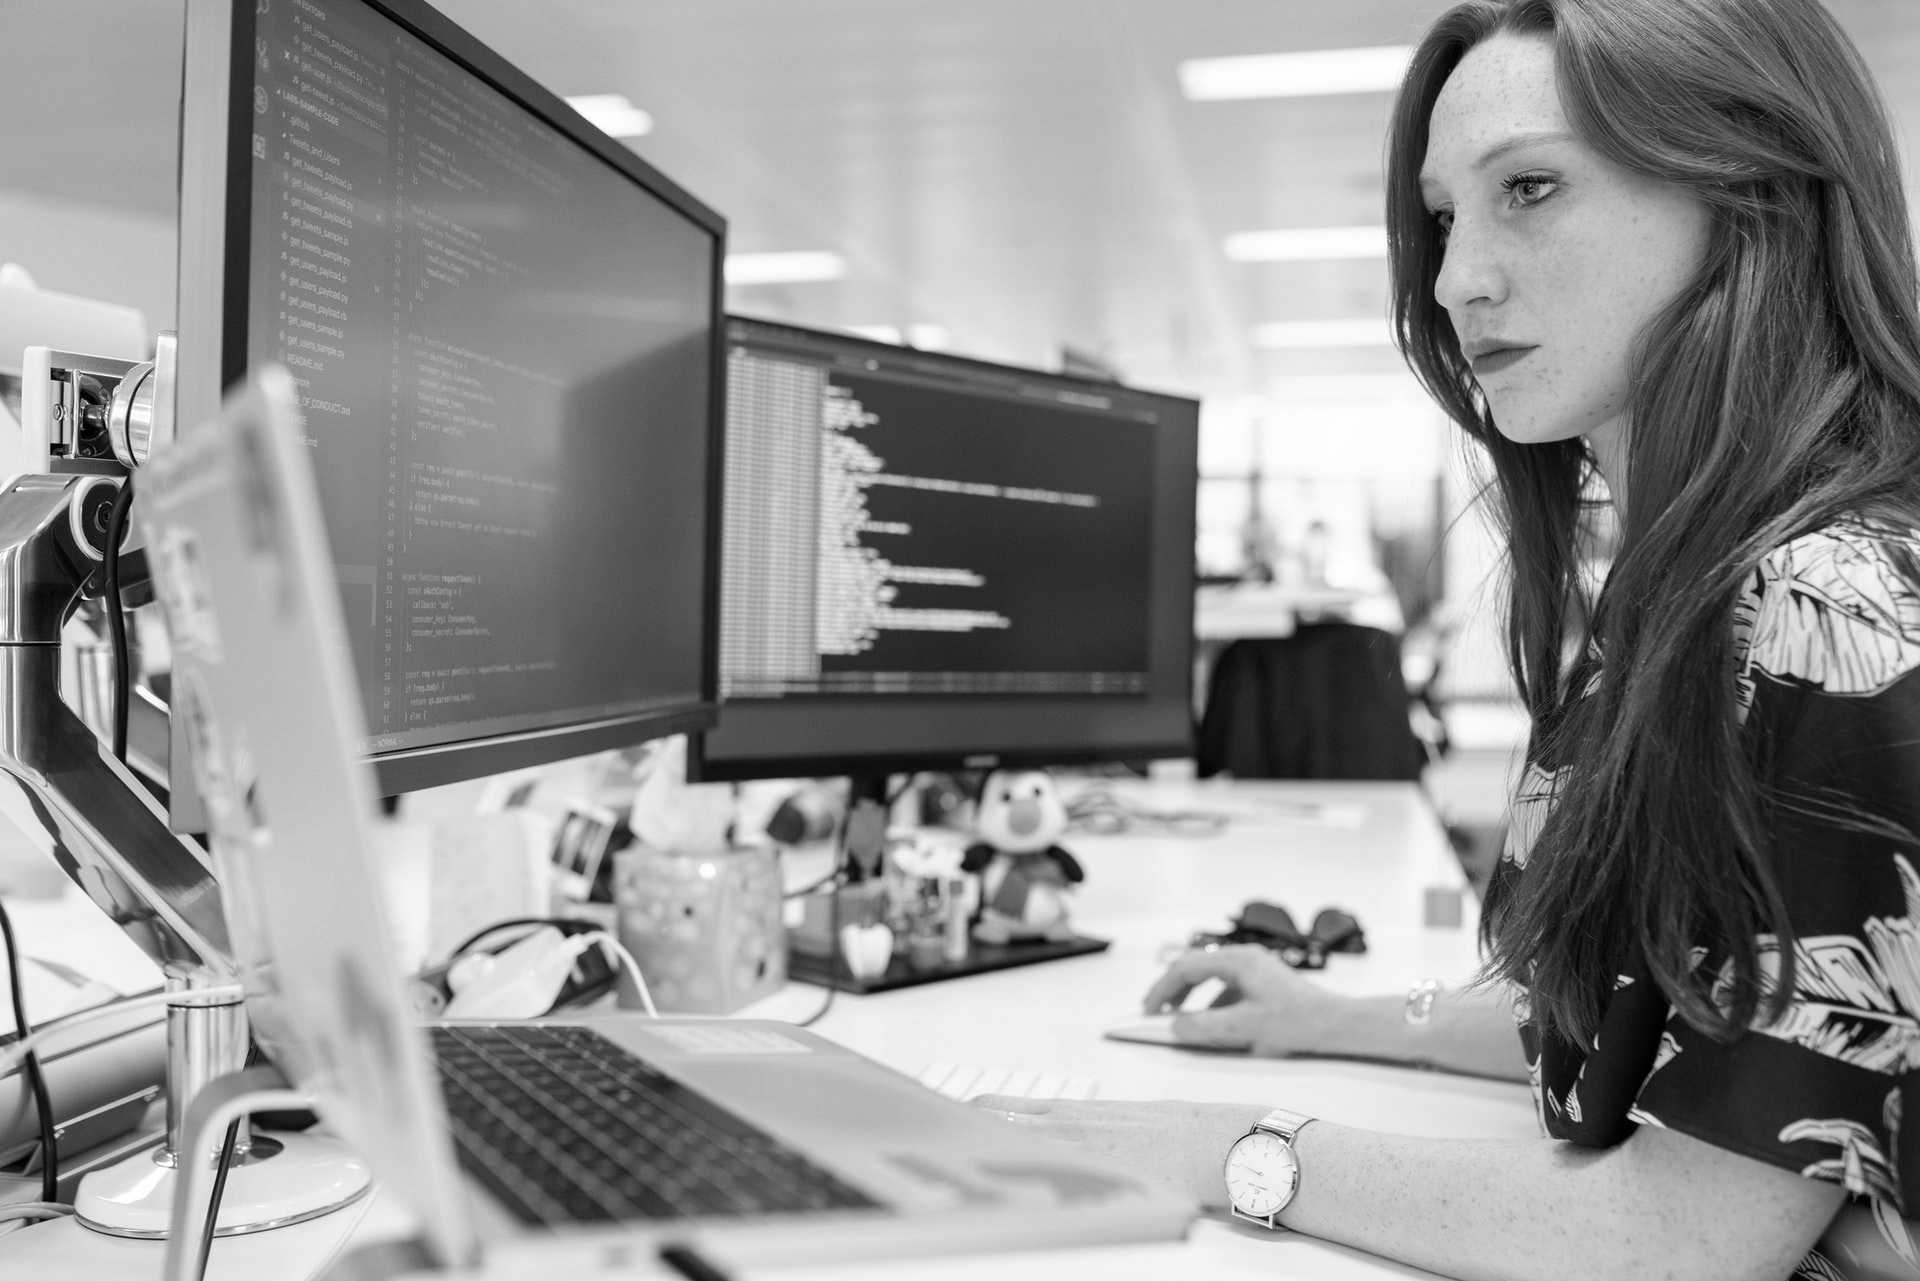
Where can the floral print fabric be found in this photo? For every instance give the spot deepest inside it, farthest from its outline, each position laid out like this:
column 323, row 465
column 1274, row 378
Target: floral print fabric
column 1828, row 642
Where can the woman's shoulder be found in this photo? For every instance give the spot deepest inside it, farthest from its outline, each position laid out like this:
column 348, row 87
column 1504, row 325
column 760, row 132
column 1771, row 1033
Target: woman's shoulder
column 1855, row 566
column 1836, row 608
column 1845, row 547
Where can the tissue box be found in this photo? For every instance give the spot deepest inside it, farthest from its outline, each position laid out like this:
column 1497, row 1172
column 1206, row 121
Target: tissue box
column 705, row 927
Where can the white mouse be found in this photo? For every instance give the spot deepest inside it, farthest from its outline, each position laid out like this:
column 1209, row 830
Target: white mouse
column 1157, row 1028
column 1203, row 995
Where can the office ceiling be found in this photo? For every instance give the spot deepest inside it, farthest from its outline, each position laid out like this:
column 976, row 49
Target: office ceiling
column 1022, row 173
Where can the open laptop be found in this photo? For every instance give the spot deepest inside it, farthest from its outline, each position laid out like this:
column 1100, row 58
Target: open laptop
column 843, row 1158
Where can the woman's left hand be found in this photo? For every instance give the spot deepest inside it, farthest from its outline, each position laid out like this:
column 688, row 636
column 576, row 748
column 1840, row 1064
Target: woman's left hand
column 1180, row 1146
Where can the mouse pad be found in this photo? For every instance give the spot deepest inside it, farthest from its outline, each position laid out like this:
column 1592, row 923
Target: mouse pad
column 1157, row 1029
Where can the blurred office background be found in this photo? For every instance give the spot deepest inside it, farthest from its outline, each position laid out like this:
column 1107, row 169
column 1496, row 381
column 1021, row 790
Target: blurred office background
column 1133, row 186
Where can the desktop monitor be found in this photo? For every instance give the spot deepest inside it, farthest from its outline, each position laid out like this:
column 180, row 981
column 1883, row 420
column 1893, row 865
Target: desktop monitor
column 504, row 329
column 937, row 563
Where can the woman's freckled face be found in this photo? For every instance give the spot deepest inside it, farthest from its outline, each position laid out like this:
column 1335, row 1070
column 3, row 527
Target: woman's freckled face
column 1556, row 258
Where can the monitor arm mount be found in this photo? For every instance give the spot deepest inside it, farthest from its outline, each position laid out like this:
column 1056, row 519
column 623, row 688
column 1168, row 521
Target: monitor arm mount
column 70, row 797
column 89, row 812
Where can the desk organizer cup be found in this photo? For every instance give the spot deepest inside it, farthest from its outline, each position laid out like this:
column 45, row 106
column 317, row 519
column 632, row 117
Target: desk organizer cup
column 704, row 926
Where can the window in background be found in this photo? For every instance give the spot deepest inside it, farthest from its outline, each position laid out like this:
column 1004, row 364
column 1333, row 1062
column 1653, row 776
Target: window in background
column 1334, row 481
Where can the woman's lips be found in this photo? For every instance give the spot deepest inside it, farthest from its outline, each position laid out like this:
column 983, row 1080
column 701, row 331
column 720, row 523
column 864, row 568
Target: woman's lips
column 1496, row 361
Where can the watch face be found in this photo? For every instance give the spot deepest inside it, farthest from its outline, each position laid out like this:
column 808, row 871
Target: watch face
column 1261, row 1174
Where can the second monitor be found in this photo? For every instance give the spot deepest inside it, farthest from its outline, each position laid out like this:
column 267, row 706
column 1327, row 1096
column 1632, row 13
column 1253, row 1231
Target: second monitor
column 937, row 563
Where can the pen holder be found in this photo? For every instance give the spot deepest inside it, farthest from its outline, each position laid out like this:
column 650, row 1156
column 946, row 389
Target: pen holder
column 705, row 927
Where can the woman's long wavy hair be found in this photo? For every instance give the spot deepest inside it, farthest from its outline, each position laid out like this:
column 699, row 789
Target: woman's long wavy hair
column 1778, row 392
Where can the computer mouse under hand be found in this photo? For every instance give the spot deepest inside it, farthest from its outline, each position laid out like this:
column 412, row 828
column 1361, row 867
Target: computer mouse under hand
column 1157, row 1028
column 1205, row 995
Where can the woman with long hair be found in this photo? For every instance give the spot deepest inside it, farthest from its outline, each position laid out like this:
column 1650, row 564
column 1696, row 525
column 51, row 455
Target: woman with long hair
column 1656, row 249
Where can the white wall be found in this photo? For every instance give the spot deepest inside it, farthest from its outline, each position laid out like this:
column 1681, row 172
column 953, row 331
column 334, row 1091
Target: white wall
column 112, row 255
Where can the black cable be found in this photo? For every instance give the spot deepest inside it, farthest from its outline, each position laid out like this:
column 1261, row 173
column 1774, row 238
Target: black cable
column 227, row 1146
column 562, row 923
column 117, row 619
column 49, row 1148
column 691, row 1264
column 815, row 887
column 834, row 959
column 833, row 882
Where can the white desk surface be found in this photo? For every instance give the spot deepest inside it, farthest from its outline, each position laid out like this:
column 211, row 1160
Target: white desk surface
column 1368, row 847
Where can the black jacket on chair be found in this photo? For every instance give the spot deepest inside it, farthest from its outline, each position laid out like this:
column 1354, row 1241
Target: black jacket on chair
column 1328, row 701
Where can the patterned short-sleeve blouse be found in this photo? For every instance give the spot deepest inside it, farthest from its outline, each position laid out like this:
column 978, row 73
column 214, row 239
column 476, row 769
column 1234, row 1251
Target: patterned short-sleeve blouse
column 1828, row 643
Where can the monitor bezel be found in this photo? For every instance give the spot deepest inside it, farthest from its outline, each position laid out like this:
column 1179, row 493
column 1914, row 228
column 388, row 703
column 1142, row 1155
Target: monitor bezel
column 215, row 220
column 829, row 762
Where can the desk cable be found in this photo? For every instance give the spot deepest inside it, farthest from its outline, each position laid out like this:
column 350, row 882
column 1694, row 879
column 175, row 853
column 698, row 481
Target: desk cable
column 625, row 958
column 833, row 884
column 228, row 1143
column 1101, row 811
column 36, row 1080
column 580, row 936
column 218, row 1108
column 117, row 617
column 33, row 1211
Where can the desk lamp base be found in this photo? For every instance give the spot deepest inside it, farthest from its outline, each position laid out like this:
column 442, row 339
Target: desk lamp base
column 285, row 1179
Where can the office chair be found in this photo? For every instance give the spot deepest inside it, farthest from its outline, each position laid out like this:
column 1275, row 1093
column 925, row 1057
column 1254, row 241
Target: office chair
column 1328, row 702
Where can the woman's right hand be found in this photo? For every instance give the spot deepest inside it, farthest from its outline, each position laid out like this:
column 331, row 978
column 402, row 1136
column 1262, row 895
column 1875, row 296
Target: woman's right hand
column 1265, row 1006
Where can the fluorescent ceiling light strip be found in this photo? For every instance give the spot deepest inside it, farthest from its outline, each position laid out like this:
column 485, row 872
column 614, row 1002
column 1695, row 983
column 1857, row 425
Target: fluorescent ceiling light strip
column 612, row 114
column 1307, row 244
column 1295, row 334
column 1295, row 75
column 789, row 268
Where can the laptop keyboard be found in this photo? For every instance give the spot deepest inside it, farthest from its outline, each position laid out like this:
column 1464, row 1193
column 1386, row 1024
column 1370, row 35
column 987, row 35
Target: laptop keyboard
column 966, row 1082
column 564, row 1126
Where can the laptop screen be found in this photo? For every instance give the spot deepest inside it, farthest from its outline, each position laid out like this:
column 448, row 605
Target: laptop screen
column 264, row 688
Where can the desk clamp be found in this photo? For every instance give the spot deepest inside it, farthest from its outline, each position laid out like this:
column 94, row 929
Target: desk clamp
column 72, row 799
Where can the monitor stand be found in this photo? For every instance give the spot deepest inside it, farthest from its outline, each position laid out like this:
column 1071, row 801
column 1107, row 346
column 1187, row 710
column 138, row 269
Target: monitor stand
column 68, row 796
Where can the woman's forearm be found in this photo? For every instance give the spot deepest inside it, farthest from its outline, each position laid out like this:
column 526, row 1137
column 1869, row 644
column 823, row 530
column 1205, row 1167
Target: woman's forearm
column 1468, row 1031
column 1660, row 1205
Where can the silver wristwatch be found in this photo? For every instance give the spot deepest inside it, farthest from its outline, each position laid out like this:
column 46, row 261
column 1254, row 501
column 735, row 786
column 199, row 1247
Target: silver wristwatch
column 1262, row 1170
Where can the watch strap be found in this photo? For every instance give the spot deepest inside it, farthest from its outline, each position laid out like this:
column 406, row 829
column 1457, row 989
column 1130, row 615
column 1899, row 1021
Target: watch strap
column 1283, row 1123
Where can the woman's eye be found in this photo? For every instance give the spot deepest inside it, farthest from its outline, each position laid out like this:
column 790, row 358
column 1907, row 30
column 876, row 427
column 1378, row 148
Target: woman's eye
column 1443, row 219
column 1528, row 188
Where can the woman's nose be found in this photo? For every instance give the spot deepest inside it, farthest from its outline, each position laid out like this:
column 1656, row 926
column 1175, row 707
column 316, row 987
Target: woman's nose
column 1470, row 270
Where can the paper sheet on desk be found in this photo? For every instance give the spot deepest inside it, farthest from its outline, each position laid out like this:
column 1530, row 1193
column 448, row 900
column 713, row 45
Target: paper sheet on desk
column 1323, row 813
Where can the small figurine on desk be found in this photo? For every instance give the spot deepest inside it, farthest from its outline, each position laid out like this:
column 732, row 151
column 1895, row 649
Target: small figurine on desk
column 930, row 897
column 1024, row 876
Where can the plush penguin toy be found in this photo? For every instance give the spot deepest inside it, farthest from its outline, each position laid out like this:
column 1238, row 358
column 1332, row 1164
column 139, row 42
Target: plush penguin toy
column 1023, row 875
